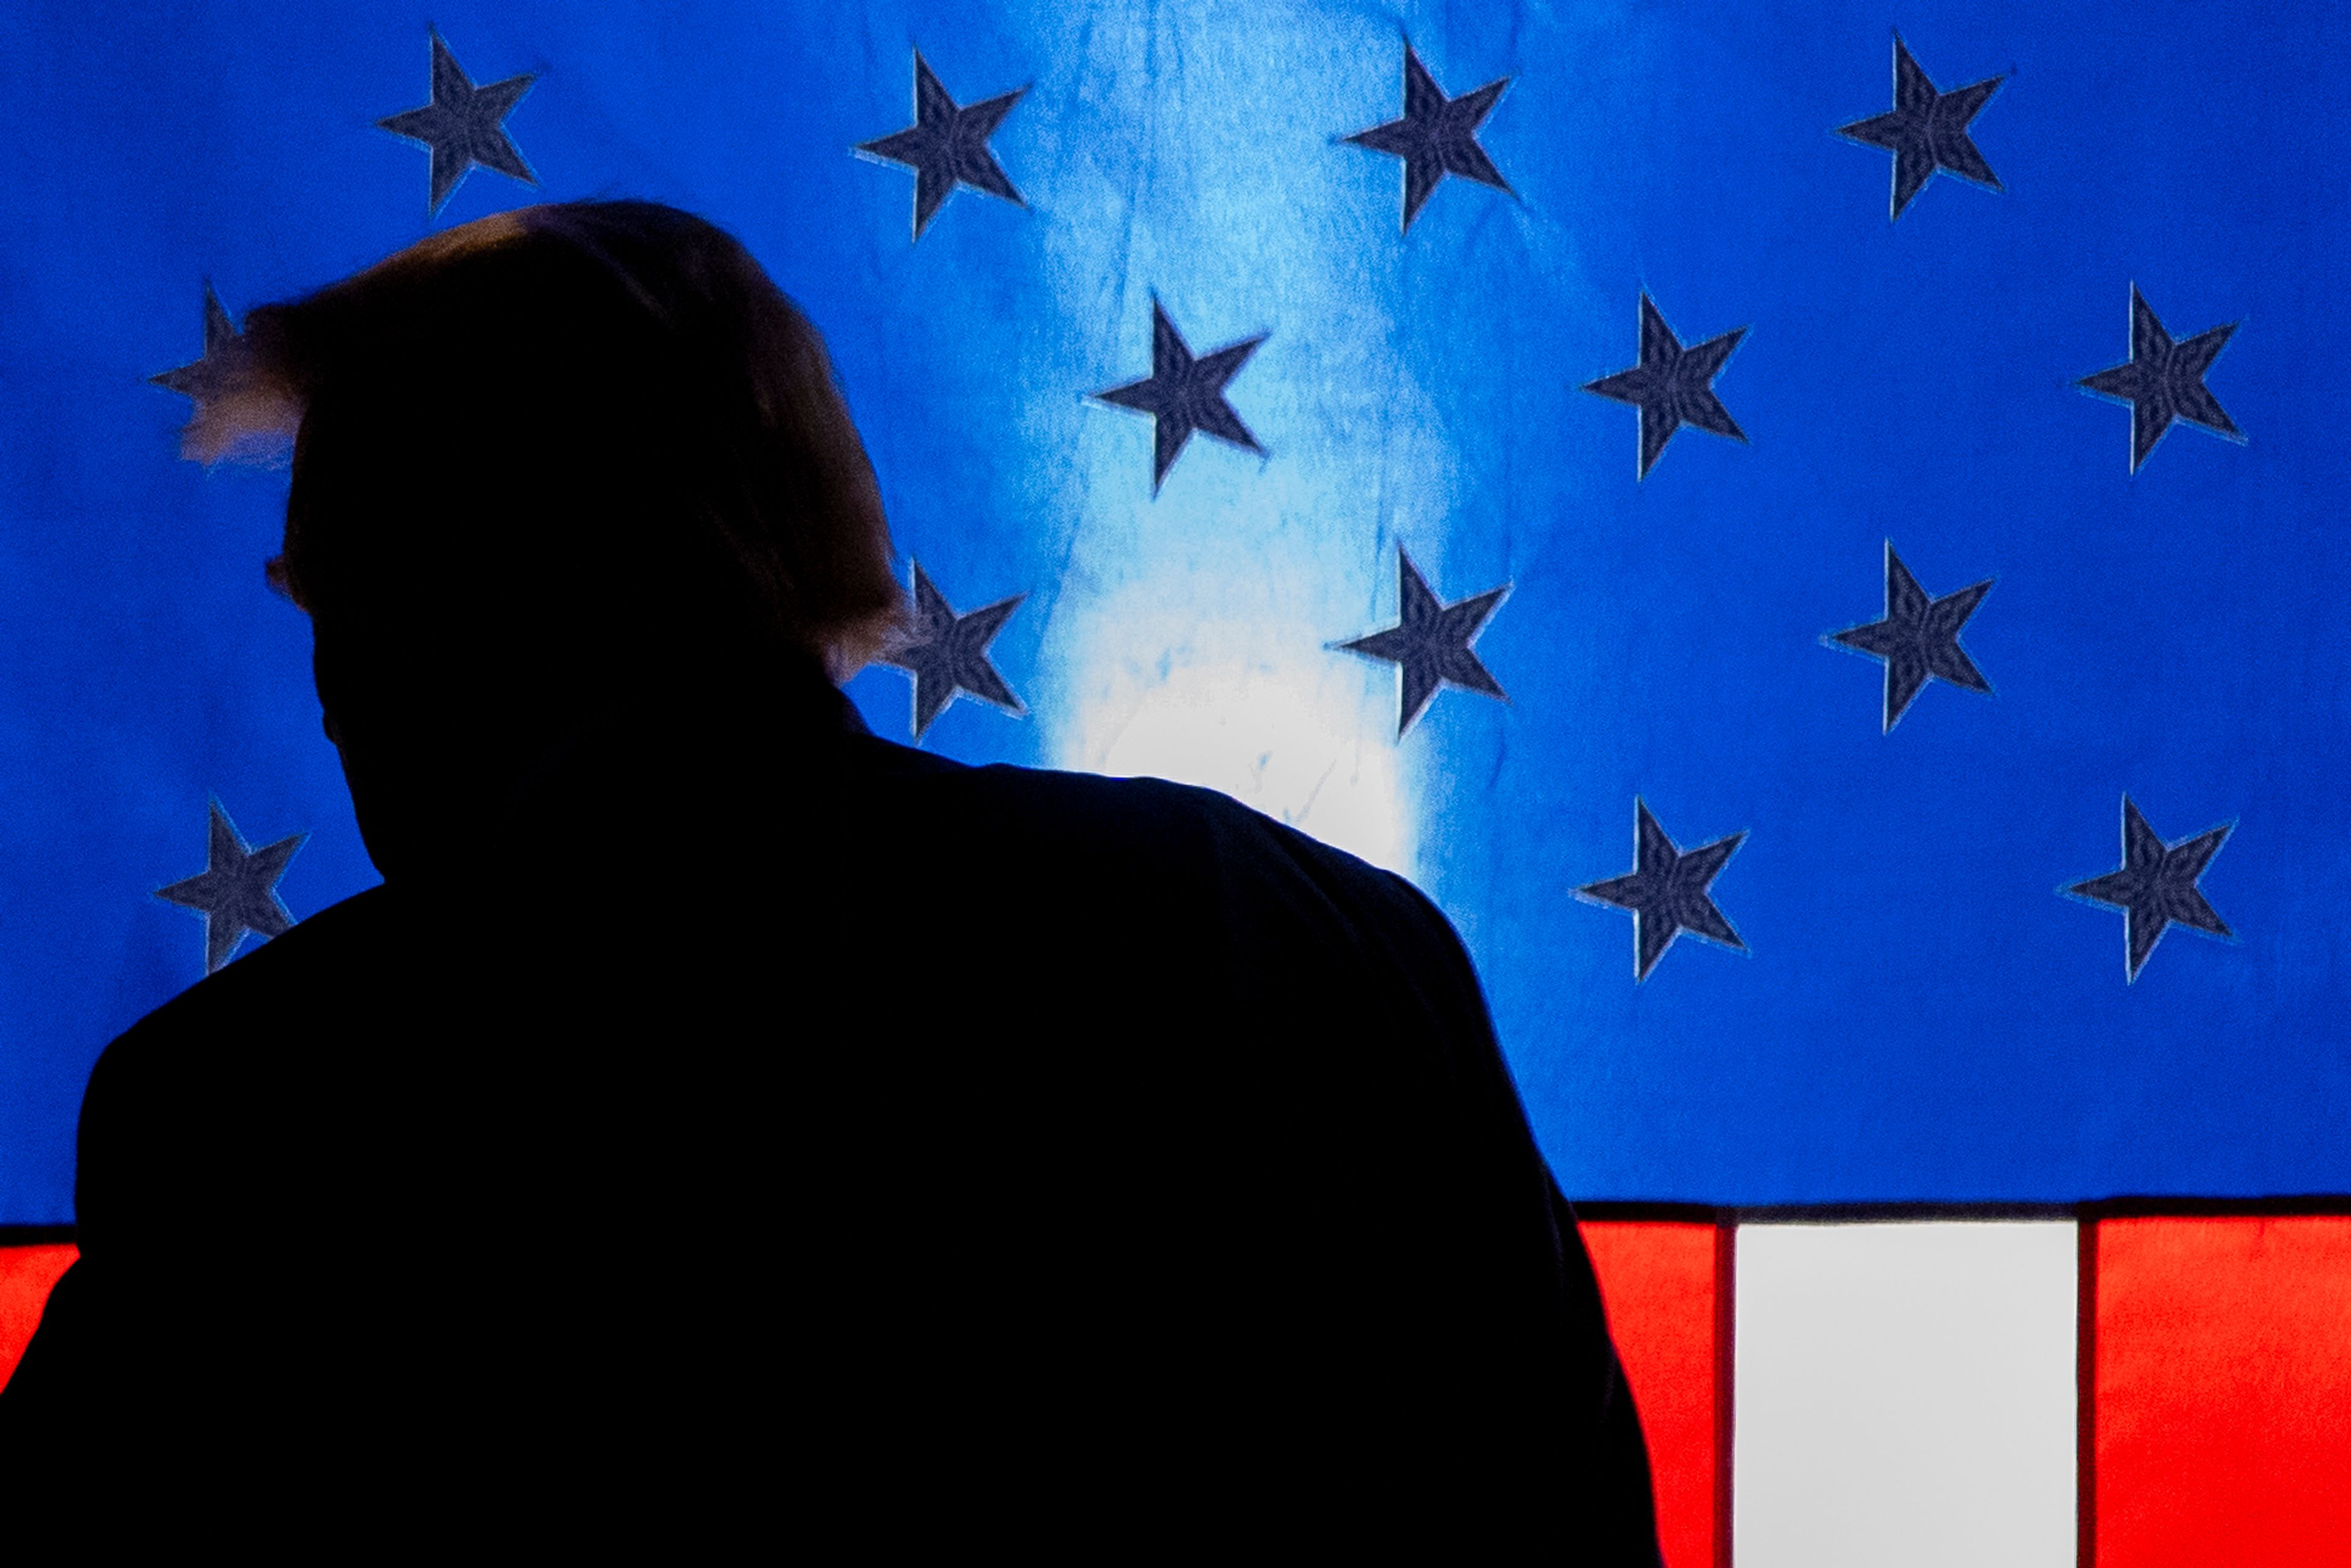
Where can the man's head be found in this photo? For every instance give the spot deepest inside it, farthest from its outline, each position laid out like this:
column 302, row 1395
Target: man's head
column 538, row 457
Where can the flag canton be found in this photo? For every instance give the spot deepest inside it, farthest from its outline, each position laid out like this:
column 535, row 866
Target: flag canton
column 1887, row 481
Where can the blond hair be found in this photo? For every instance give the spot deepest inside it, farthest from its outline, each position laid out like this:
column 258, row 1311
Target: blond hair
column 676, row 402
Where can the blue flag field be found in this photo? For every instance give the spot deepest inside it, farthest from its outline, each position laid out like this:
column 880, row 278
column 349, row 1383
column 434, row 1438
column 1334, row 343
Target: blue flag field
column 1822, row 549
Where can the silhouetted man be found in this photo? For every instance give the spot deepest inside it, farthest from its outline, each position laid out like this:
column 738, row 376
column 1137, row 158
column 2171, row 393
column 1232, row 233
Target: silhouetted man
column 723, row 1120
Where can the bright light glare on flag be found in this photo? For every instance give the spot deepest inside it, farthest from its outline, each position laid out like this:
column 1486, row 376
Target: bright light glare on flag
column 1257, row 710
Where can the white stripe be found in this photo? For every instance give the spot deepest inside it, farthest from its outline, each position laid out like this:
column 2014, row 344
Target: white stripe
column 1905, row 1396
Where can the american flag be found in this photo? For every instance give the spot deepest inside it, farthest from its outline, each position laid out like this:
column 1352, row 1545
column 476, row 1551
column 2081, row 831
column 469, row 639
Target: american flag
column 1819, row 546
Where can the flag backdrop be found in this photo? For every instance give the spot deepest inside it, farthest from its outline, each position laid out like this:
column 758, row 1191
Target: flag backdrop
column 1820, row 549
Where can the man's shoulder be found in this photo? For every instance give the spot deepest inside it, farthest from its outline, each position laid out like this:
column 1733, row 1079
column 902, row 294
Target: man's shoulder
column 1158, row 828
column 323, row 960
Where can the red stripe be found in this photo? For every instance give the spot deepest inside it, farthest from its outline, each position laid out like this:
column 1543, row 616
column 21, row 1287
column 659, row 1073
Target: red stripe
column 2223, row 1355
column 1726, row 1381
column 2086, row 1395
column 1659, row 1282
column 25, row 1275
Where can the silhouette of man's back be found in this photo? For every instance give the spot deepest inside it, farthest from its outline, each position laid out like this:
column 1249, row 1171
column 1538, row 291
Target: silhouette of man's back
column 744, row 1121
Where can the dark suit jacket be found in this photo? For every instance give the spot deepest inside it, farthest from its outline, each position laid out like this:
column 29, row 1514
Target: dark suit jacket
column 755, row 1124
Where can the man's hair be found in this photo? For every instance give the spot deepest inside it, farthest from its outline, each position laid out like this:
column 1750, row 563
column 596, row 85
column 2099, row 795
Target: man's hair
column 585, row 420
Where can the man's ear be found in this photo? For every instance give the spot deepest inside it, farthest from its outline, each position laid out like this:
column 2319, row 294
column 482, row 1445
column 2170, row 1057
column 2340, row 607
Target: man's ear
column 323, row 673
column 281, row 582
